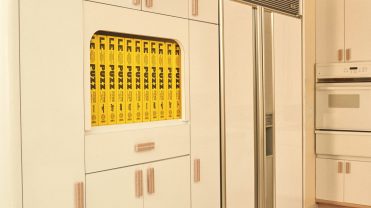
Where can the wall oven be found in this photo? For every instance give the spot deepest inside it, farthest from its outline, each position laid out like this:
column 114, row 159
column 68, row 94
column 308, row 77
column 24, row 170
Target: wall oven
column 343, row 97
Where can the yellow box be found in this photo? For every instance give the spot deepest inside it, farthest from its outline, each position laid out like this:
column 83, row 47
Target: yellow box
column 146, row 82
column 111, row 67
column 103, row 94
column 178, row 80
column 93, row 81
column 129, row 73
column 138, row 104
column 119, row 54
column 154, row 81
column 161, row 81
column 169, row 70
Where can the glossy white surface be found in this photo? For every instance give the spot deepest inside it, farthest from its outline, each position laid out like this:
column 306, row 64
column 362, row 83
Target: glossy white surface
column 329, row 30
column 10, row 137
column 52, row 101
column 205, row 121
column 288, row 111
column 239, row 104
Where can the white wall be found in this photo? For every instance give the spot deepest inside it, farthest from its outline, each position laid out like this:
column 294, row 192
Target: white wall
column 10, row 139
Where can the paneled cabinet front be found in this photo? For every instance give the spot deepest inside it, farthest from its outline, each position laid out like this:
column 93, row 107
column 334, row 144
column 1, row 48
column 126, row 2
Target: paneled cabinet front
column 343, row 31
column 120, row 145
column 162, row 184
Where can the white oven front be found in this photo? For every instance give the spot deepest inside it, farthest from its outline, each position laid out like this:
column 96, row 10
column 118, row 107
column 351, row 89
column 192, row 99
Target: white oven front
column 343, row 106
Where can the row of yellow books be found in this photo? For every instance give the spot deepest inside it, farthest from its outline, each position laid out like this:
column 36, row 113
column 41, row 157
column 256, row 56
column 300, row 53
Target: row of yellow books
column 134, row 80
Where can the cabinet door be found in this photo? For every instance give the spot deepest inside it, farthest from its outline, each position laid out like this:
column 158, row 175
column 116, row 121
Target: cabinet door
column 329, row 31
column 358, row 30
column 52, row 102
column 357, row 183
column 329, row 179
column 204, row 70
column 171, row 184
column 133, row 4
column 115, row 188
column 204, row 10
column 239, row 105
column 178, row 8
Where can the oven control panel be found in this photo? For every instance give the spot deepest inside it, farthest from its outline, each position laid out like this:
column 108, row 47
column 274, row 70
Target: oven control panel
column 343, row 70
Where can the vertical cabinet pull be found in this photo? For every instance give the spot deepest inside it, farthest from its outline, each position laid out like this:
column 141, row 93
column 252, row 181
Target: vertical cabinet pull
column 149, row 3
column 79, row 195
column 340, row 167
column 139, row 183
column 197, row 170
column 151, row 180
column 195, row 7
column 348, row 54
column 136, row 2
column 347, row 168
column 340, row 55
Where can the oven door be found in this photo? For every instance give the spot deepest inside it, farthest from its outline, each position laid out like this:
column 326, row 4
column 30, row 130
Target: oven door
column 343, row 106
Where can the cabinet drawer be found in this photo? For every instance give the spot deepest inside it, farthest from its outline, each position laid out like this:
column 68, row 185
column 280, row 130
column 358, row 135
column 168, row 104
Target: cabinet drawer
column 343, row 143
column 113, row 150
column 132, row 4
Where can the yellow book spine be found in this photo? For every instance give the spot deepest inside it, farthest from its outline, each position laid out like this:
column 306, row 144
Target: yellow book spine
column 111, row 67
column 119, row 54
column 138, row 117
column 93, row 81
column 146, row 82
column 154, row 81
column 128, row 86
column 103, row 118
column 169, row 80
column 178, row 89
column 161, row 81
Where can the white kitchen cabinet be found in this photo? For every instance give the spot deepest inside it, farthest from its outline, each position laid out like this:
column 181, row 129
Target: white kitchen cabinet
column 329, row 31
column 204, row 10
column 52, row 112
column 163, row 184
column 329, row 179
column 343, row 181
column 178, row 8
column 357, row 183
column 358, row 30
column 205, row 137
column 343, row 31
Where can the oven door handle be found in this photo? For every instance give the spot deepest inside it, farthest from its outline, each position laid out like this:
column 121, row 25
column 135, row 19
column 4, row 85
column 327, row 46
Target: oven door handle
column 342, row 87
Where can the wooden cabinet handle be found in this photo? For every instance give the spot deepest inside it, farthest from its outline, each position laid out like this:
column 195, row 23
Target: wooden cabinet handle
column 347, row 168
column 149, row 3
column 340, row 167
column 79, row 195
column 143, row 147
column 139, row 183
column 348, row 54
column 151, row 180
column 340, row 55
column 195, row 7
column 197, row 170
column 136, row 2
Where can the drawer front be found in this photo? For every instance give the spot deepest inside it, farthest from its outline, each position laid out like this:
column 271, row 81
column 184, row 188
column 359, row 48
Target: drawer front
column 337, row 103
column 132, row 4
column 343, row 143
column 114, row 150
